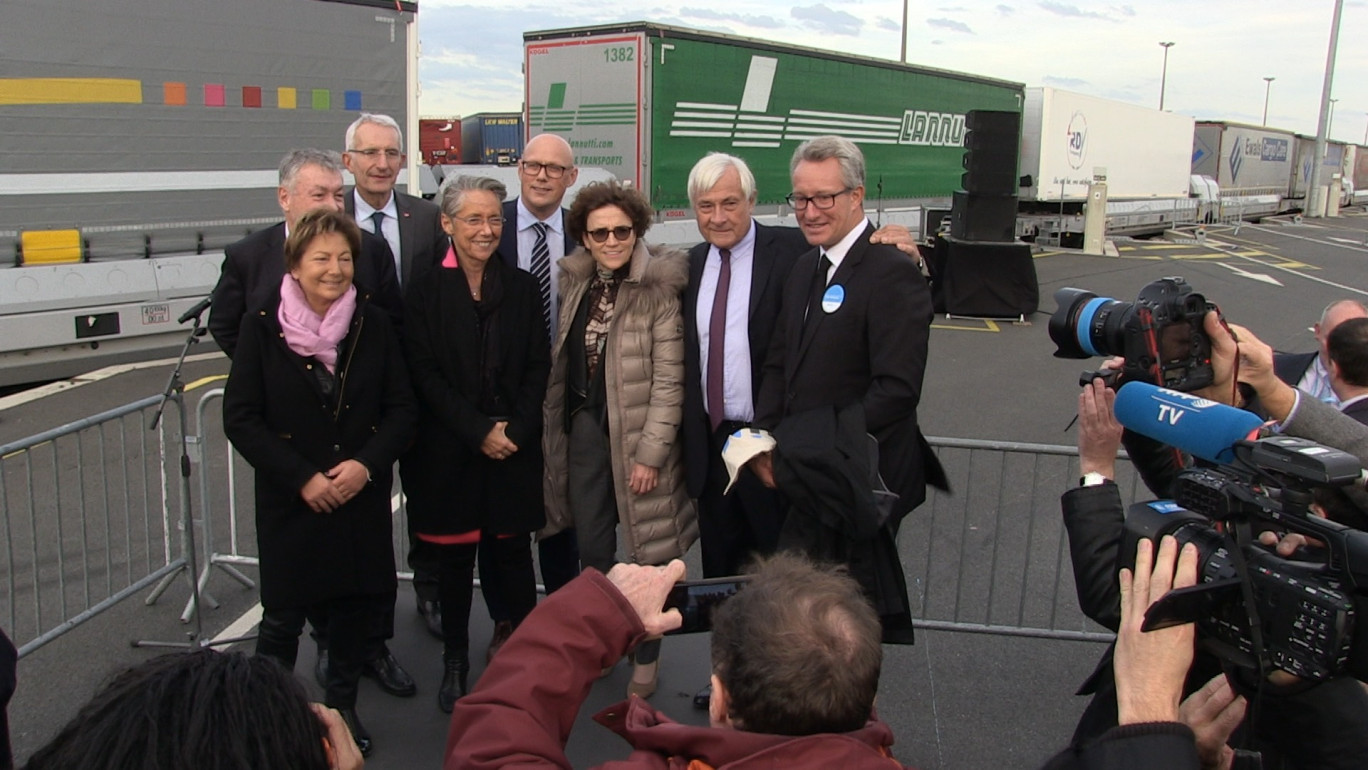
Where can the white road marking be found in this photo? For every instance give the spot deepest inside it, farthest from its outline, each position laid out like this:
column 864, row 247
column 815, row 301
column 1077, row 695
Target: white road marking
column 1253, row 276
column 28, row 396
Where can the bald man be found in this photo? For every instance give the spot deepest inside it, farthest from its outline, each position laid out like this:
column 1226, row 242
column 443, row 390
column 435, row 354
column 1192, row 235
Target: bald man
column 1310, row 372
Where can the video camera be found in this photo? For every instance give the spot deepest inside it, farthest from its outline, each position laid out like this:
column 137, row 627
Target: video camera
column 1253, row 608
column 1160, row 334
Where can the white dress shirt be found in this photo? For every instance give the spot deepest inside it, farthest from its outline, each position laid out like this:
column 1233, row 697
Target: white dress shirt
column 389, row 228
column 555, row 243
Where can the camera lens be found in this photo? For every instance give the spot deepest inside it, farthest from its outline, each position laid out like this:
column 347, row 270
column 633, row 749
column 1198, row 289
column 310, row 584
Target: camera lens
column 1086, row 325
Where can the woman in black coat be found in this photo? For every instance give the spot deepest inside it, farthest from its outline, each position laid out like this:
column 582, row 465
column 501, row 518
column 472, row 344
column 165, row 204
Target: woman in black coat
column 477, row 350
column 318, row 401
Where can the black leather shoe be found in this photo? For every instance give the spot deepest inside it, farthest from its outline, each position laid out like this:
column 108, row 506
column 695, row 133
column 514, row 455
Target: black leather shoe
column 502, row 630
column 457, row 669
column 432, row 614
column 703, row 698
column 321, row 669
column 391, row 676
column 358, row 731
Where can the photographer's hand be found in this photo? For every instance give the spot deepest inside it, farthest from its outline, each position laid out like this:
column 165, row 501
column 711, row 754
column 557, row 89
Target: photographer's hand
column 1099, row 434
column 1213, row 713
column 338, row 744
column 1223, row 352
column 1150, row 666
column 1256, row 368
column 646, row 589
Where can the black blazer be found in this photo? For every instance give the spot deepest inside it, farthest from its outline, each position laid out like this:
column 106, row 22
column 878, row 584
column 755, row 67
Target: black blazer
column 277, row 417
column 871, row 349
column 776, row 249
column 1291, row 367
column 452, row 486
column 422, row 241
column 253, row 267
column 508, row 241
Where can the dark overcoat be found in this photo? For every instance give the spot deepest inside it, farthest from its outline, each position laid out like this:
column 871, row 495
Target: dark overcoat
column 452, row 486
column 277, row 417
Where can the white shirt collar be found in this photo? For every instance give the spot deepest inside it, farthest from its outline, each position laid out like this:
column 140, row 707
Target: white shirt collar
column 526, row 218
column 838, row 252
column 364, row 210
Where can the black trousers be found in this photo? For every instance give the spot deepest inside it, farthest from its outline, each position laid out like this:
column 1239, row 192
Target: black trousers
column 350, row 622
column 510, row 558
column 590, row 492
column 739, row 525
column 559, row 559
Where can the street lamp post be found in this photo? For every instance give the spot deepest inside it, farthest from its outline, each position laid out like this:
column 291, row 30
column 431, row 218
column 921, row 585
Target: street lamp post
column 903, row 59
column 1314, row 194
column 1163, row 78
column 1330, row 122
column 1268, row 85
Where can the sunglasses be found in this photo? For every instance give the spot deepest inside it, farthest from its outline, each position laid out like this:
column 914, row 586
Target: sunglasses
column 600, row 235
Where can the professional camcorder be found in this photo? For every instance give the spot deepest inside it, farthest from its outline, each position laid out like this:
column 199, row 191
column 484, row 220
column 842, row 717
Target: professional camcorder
column 1160, row 334
column 1253, row 608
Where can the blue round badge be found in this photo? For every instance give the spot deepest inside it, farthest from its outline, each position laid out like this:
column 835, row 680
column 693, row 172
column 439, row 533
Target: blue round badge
column 832, row 299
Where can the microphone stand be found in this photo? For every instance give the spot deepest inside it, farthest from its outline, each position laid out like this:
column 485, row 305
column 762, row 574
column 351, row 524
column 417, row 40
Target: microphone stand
column 175, row 391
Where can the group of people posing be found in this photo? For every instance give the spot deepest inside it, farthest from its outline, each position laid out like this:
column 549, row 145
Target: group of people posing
column 541, row 370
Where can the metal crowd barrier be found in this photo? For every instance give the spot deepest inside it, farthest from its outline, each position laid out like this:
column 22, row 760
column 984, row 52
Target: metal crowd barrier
column 993, row 556
column 88, row 520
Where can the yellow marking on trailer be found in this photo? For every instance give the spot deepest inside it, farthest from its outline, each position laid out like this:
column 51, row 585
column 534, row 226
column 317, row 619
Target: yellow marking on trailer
column 70, row 91
column 51, row 247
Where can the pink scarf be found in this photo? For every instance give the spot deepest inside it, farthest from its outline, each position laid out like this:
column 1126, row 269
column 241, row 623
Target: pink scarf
column 306, row 332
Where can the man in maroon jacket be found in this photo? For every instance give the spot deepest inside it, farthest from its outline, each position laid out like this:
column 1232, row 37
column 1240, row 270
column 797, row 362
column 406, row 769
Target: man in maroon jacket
column 792, row 626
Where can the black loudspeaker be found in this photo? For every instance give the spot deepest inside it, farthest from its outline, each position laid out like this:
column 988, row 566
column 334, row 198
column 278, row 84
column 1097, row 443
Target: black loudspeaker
column 985, row 280
column 983, row 217
column 990, row 152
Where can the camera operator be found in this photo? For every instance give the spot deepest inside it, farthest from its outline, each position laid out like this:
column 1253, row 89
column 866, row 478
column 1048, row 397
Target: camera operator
column 796, row 658
column 1324, row 726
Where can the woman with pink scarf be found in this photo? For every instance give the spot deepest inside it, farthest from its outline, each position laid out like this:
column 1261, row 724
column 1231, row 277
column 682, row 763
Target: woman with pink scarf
column 318, row 401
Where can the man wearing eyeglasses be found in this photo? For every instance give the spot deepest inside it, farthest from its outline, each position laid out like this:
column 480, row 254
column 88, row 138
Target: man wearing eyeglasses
column 853, row 330
column 534, row 239
column 412, row 226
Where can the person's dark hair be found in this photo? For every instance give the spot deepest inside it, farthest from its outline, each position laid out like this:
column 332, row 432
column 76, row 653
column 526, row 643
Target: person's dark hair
column 204, row 710
column 593, row 197
column 1348, row 348
column 320, row 222
column 798, row 650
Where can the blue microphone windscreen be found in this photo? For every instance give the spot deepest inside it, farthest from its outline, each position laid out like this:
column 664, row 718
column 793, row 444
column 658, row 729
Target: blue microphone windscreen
column 1195, row 425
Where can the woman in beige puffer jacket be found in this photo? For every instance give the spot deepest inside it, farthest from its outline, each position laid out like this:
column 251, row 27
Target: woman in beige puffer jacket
column 629, row 472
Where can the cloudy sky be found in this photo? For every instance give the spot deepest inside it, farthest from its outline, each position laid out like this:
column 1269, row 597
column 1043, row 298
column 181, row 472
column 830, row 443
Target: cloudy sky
column 472, row 54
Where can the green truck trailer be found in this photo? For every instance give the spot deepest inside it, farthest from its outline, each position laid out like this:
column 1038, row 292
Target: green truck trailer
column 646, row 101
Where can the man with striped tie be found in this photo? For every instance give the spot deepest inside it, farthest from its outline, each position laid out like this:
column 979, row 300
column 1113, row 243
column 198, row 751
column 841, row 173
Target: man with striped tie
column 535, row 239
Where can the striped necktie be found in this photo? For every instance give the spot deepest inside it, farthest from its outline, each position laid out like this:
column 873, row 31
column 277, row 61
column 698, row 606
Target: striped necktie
column 541, row 270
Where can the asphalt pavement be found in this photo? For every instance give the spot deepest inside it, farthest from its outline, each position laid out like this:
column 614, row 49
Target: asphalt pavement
column 991, row 380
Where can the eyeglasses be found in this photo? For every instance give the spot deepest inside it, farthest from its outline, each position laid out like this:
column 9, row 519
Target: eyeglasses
column 533, row 168
column 478, row 222
column 823, row 202
column 374, row 153
column 600, row 235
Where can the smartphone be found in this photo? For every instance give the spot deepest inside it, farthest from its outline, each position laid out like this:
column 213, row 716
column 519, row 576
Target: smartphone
column 697, row 599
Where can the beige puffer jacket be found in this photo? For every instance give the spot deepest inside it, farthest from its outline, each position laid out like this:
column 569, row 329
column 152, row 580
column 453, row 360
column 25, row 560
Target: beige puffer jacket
column 644, row 361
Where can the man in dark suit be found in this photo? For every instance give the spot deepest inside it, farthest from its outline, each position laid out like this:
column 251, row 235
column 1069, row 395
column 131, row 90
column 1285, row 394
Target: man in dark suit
column 254, row 266
column 723, row 354
column 252, row 270
column 413, row 229
column 854, row 325
column 1310, row 372
column 410, row 225
column 534, row 239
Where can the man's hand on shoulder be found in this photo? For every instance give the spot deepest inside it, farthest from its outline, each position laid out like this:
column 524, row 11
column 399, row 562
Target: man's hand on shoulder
column 897, row 236
column 646, row 588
